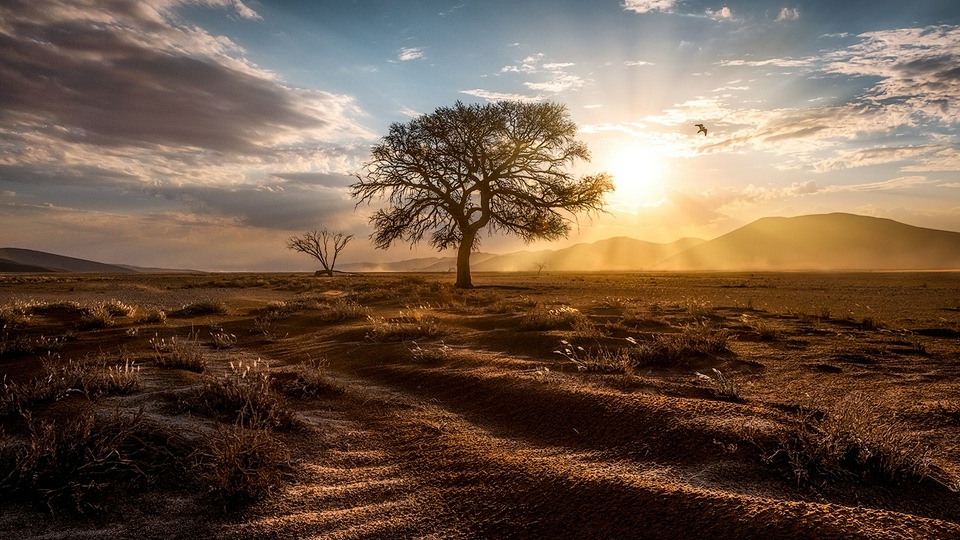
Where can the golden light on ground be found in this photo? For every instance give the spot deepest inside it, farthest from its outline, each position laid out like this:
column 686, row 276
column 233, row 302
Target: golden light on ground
column 638, row 174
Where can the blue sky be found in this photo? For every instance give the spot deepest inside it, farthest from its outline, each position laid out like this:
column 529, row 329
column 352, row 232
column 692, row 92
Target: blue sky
column 203, row 133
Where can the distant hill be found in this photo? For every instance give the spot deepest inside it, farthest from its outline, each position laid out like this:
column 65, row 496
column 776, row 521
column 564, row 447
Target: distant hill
column 40, row 261
column 823, row 242
column 612, row 254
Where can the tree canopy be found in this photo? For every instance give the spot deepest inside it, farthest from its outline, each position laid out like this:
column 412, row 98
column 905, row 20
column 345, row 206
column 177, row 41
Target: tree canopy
column 500, row 166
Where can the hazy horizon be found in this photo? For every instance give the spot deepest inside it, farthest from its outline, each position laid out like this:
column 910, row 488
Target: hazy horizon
column 203, row 133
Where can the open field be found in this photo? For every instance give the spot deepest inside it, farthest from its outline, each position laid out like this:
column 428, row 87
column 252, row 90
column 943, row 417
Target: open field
column 554, row 406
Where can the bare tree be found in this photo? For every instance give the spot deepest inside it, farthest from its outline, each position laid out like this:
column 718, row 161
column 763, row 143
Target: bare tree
column 500, row 166
column 321, row 245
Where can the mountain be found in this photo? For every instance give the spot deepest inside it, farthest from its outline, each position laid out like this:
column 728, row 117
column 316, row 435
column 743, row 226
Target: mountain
column 823, row 242
column 423, row 264
column 612, row 254
column 48, row 262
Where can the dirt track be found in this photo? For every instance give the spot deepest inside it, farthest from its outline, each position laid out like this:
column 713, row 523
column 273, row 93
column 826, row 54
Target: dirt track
column 501, row 437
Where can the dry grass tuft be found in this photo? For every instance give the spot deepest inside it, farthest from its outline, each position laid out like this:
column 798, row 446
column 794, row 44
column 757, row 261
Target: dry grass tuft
column 541, row 318
column 177, row 354
column 243, row 464
column 850, row 440
column 79, row 462
column 243, row 396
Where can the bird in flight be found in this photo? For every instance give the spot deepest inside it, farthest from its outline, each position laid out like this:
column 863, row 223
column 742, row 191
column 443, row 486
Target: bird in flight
column 703, row 129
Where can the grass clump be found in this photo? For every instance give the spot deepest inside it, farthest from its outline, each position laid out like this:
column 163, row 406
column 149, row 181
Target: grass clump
column 723, row 387
column 429, row 354
column 153, row 316
column 849, row 440
column 243, row 464
column 603, row 359
column 311, row 380
column 678, row 349
column 342, row 310
column 202, row 307
column 79, row 462
column 177, row 354
column 243, row 396
column 541, row 318
column 61, row 379
column 410, row 325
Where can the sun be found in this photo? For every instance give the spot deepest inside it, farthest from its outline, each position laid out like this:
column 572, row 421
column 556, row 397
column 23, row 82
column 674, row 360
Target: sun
column 638, row 175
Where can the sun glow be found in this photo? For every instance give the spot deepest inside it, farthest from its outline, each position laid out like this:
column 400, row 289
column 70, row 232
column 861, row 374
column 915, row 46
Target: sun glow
column 638, row 174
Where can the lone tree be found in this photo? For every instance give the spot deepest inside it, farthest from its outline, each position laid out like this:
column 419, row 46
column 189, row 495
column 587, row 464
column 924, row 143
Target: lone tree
column 321, row 245
column 458, row 170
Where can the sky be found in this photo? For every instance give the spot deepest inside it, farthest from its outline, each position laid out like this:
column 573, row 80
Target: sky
column 204, row 133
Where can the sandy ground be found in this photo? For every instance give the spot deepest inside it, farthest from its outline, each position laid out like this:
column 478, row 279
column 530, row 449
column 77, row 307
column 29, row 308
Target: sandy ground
column 481, row 430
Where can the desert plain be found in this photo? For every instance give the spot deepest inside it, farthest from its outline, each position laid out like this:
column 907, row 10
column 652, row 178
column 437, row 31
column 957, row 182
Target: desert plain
column 536, row 405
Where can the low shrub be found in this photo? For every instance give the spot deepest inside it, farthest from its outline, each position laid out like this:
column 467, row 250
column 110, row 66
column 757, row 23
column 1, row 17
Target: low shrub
column 177, row 354
column 242, row 465
column 61, row 379
column 541, row 318
column 202, row 307
column 311, row 380
column 850, row 440
column 242, row 396
column 429, row 354
column 79, row 462
column 410, row 325
column 677, row 349
column 723, row 387
column 342, row 310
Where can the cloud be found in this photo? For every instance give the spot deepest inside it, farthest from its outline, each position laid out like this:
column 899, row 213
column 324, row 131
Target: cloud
column 632, row 63
column 647, row 6
column 788, row 14
column 407, row 54
column 131, row 76
column 500, row 96
column 917, row 68
column 722, row 14
column 872, row 156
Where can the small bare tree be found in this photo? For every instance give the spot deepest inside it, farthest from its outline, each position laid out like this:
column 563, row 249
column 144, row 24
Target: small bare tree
column 322, row 245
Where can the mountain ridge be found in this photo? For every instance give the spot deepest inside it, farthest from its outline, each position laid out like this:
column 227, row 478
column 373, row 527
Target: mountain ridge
column 815, row 242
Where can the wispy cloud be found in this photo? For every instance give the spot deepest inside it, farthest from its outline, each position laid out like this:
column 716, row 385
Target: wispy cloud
column 647, row 6
column 872, row 156
column 722, row 14
column 407, row 54
column 788, row 14
column 500, row 96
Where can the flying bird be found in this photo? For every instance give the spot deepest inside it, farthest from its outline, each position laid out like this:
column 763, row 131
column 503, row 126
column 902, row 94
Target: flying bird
column 703, row 129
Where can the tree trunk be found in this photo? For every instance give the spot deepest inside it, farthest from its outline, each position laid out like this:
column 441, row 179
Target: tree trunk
column 463, row 261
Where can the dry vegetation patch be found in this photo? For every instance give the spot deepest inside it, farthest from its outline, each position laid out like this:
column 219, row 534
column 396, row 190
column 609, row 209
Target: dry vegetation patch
column 549, row 400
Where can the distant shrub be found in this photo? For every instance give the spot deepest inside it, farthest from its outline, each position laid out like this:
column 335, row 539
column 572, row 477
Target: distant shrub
column 203, row 307
column 342, row 310
column 96, row 317
column 153, row 316
column 542, row 318
column 412, row 324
